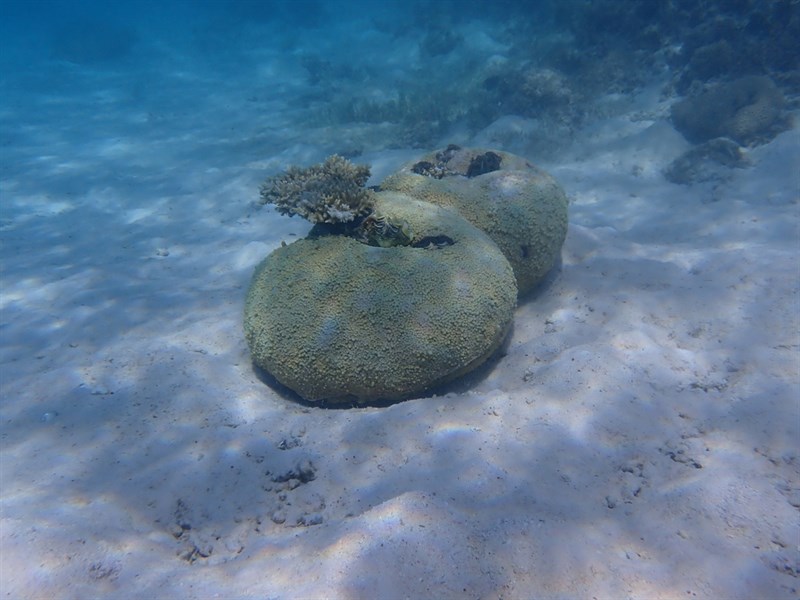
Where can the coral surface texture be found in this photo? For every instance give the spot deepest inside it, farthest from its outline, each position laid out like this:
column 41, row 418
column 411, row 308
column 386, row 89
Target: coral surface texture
column 521, row 207
column 336, row 319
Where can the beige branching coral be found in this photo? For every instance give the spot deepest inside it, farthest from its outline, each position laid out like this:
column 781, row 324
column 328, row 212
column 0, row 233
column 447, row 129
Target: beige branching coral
column 330, row 192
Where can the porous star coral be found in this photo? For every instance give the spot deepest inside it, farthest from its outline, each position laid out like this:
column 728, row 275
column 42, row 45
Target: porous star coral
column 522, row 208
column 331, row 192
column 338, row 320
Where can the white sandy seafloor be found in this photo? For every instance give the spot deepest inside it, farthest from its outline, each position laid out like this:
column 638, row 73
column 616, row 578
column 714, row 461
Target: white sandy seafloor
column 637, row 439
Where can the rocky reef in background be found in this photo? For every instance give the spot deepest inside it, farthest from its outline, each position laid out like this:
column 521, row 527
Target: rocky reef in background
column 557, row 58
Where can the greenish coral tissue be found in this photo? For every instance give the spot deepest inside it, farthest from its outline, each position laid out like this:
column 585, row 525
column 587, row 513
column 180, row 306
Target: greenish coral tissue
column 518, row 205
column 396, row 291
column 339, row 320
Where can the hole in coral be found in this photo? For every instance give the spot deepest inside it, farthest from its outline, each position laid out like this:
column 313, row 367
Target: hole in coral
column 433, row 242
column 428, row 169
column 484, row 163
column 423, row 167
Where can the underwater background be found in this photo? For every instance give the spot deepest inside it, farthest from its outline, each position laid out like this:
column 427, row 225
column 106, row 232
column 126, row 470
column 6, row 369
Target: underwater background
column 412, row 73
column 637, row 435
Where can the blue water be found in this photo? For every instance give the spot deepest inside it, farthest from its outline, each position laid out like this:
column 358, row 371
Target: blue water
column 133, row 139
column 432, row 68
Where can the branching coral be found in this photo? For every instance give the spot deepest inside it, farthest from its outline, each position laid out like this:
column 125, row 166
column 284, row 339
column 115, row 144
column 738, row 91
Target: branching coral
column 330, row 192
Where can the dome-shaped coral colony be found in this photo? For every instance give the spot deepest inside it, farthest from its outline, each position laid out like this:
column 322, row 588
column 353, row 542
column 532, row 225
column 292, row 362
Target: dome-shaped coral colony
column 398, row 290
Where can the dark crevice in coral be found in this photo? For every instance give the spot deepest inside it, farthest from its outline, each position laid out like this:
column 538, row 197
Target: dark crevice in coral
column 378, row 230
column 479, row 165
column 484, row 163
column 439, row 169
column 433, row 242
column 425, row 167
column 372, row 230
